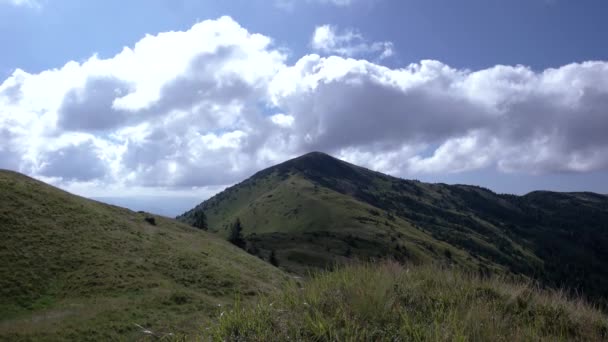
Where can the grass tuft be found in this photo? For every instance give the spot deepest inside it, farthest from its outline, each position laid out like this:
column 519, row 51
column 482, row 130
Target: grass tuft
column 388, row 302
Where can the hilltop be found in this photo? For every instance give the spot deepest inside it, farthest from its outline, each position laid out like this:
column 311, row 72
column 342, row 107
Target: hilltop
column 77, row 269
column 316, row 210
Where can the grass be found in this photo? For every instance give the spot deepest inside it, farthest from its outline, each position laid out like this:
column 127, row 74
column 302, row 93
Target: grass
column 390, row 302
column 76, row 269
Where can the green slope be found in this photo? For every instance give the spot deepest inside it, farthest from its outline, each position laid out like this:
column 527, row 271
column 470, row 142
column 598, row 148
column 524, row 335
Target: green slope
column 315, row 210
column 390, row 302
column 308, row 225
column 78, row 269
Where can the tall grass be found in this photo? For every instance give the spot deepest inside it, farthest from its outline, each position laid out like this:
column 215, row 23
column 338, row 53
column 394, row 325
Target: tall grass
column 388, row 302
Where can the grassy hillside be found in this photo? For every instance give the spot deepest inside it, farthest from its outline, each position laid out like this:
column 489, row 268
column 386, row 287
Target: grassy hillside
column 78, row 269
column 390, row 302
column 311, row 226
column 315, row 210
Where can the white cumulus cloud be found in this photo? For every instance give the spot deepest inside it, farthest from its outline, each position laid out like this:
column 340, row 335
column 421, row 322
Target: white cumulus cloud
column 162, row 108
column 328, row 39
column 208, row 106
column 429, row 117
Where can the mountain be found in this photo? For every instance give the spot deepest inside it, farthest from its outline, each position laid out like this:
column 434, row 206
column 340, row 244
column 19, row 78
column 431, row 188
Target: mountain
column 316, row 210
column 77, row 269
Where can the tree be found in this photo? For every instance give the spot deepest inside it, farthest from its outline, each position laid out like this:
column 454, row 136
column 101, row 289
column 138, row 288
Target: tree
column 236, row 235
column 349, row 252
column 448, row 253
column 200, row 220
column 273, row 259
column 151, row 220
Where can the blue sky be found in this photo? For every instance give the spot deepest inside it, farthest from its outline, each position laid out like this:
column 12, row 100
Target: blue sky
column 466, row 34
column 125, row 126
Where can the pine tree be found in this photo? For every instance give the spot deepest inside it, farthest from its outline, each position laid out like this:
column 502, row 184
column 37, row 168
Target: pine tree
column 200, row 220
column 236, row 235
column 273, row 258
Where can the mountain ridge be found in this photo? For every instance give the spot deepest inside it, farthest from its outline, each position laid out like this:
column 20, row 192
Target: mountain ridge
column 316, row 209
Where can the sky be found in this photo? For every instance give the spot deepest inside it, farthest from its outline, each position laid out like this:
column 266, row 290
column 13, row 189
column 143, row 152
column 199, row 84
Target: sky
column 158, row 104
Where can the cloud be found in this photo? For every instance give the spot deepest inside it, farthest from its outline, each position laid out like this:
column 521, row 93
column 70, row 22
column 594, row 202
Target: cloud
column 328, row 39
column 9, row 155
column 282, row 120
column 208, row 106
column 91, row 107
column 429, row 117
column 74, row 163
column 161, row 108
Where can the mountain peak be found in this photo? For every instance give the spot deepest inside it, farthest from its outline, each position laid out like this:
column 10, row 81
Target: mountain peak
column 317, row 164
column 313, row 157
column 315, row 154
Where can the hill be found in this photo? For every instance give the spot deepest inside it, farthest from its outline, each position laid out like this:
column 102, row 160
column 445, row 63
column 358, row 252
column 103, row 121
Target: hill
column 316, row 210
column 390, row 302
column 77, row 269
